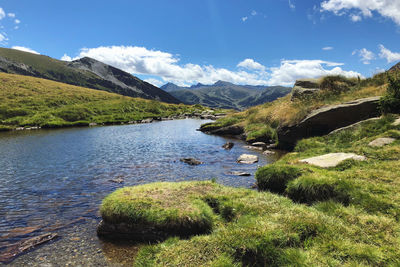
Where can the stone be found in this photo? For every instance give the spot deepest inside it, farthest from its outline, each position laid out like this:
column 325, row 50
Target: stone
column 237, row 173
column 228, row 145
column 328, row 118
column 247, row 159
column 396, row 122
column 254, row 148
column 229, row 130
column 117, row 181
column 305, row 87
column 380, row 142
column 147, row 121
column 268, row 152
column 354, row 125
column 191, row 161
column 332, row 159
column 259, row 144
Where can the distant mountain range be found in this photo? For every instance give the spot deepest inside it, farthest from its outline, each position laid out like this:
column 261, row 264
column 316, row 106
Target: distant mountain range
column 85, row 72
column 226, row 95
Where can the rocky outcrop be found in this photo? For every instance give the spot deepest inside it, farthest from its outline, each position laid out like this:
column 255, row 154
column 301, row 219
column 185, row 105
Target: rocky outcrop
column 328, row 118
column 332, row 159
column 383, row 141
column 191, row 161
column 305, row 87
column 228, row 130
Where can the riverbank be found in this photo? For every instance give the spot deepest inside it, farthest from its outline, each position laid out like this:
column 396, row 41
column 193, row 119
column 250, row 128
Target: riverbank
column 33, row 103
column 336, row 215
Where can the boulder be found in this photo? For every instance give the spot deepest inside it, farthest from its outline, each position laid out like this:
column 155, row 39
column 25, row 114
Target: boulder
column 326, row 119
column 247, row 159
column 380, row 142
column 254, row 148
column 305, row 87
column 396, row 122
column 147, row 121
column 191, row 161
column 228, row 145
column 229, row 130
column 259, row 144
column 332, row 159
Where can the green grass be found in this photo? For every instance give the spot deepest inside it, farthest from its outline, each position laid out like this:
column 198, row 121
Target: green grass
column 27, row 101
column 343, row 216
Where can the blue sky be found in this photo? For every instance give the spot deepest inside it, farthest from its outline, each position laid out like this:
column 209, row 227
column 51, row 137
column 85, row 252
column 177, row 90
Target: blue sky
column 267, row 42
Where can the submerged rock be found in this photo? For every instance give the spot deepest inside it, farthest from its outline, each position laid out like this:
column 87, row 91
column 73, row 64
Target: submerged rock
column 380, row 142
column 254, row 148
column 237, row 173
column 268, row 152
column 332, row 159
column 247, row 159
column 228, row 145
column 191, row 161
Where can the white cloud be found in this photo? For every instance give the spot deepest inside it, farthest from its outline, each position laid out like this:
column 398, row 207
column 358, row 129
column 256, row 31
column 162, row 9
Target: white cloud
column 65, row 57
column 11, row 15
column 365, row 55
column 291, row 5
column 2, row 14
column 388, row 55
column 155, row 82
column 250, row 64
column 244, row 19
column 291, row 70
column 25, row 49
column 355, row 17
column 327, row 48
column 2, row 38
column 17, row 21
column 253, row 13
column 386, row 8
column 166, row 66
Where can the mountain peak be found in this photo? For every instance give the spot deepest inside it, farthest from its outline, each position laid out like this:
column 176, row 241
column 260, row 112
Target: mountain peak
column 197, row 85
column 395, row 67
column 222, row 83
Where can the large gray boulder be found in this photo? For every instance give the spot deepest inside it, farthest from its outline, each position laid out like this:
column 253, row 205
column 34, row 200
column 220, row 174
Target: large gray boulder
column 332, row 159
column 305, row 87
column 326, row 119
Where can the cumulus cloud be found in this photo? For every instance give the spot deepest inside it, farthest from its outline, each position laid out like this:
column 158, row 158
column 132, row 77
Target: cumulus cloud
column 2, row 13
column 254, row 13
column 245, row 18
column 11, row 15
column 250, row 64
column 65, row 57
column 386, row 8
column 327, row 48
column 25, row 49
column 155, row 82
column 291, row 70
column 365, row 55
column 155, row 63
column 17, row 21
column 388, row 55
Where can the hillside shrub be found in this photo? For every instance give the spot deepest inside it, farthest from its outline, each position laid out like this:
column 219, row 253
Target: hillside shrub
column 336, row 83
column 390, row 103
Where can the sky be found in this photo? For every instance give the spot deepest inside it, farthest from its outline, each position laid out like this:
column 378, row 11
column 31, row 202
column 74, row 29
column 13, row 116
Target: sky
column 256, row 42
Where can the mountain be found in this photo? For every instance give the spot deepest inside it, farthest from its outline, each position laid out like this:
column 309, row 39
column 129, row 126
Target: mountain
column 226, row 95
column 85, row 72
column 395, row 68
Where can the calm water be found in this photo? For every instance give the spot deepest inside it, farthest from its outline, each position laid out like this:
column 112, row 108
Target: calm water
column 55, row 180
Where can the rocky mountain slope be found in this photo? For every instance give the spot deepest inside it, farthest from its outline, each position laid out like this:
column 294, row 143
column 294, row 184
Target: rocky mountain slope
column 85, row 72
column 226, row 95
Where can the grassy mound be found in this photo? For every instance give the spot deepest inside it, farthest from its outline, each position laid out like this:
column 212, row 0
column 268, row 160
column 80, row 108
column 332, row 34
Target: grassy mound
column 173, row 208
column 275, row 177
column 265, row 229
column 28, row 101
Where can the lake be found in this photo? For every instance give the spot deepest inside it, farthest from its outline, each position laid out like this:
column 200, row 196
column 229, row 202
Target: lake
column 54, row 181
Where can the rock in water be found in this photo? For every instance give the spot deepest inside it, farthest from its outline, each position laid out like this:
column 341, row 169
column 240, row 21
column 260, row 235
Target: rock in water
column 240, row 173
column 332, row 159
column 247, row 159
column 380, row 142
column 259, row 144
column 191, row 161
column 254, row 148
column 228, row 145
column 268, row 152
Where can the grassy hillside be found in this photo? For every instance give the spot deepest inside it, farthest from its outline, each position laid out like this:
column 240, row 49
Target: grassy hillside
column 226, row 95
column 266, row 118
column 85, row 72
column 343, row 216
column 29, row 101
